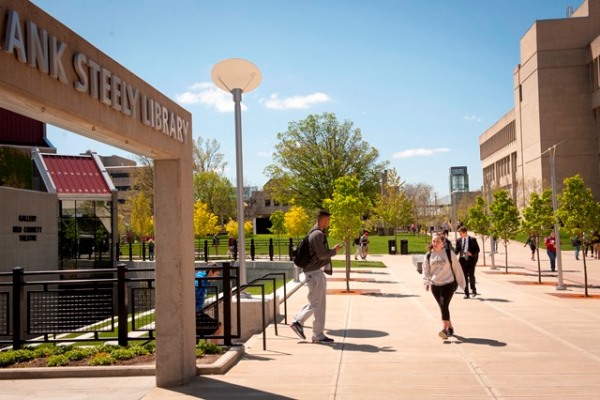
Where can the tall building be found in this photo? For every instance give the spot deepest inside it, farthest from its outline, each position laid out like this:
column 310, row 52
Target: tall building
column 459, row 180
column 557, row 109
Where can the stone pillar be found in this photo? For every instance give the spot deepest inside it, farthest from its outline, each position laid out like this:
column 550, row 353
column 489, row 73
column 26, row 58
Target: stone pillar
column 175, row 311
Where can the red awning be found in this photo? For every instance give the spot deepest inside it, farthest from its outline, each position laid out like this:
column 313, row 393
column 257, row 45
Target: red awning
column 75, row 175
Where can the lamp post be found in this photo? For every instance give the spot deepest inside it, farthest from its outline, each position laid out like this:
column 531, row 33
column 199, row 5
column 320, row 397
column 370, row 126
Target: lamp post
column 237, row 76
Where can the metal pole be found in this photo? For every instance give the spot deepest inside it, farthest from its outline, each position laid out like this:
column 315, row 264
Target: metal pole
column 560, row 285
column 492, row 244
column 237, row 99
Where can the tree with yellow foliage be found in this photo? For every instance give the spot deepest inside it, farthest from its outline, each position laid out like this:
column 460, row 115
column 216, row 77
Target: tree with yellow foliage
column 205, row 222
column 297, row 222
column 142, row 222
column 232, row 228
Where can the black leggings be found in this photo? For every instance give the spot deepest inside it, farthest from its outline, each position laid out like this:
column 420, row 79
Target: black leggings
column 443, row 296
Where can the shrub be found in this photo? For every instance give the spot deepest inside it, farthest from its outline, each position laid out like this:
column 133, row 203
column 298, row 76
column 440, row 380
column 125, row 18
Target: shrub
column 122, row 354
column 209, row 348
column 151, row 347
column 101, row 358
column 7, row 358
column 23, row 355
column 107, row 348
column 139, row 350
column 77, row 354
column 199, row 352
column 45, row 350
column 57, row 360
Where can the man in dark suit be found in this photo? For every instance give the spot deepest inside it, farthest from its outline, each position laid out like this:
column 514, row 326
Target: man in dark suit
column 467, row 250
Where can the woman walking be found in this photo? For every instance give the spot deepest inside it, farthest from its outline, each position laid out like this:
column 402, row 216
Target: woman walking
column 442, row 274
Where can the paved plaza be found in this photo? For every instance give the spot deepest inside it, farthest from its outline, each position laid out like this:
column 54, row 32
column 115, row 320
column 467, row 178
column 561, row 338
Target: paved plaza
column 517, row 340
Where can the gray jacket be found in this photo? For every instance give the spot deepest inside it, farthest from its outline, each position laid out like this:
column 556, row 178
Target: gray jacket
column 320, row 254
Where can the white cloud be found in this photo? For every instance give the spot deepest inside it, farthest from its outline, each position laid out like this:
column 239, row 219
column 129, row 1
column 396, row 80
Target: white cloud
column 409, row 153
column 274, row 102
column 472, row 118
column 208, row 94
column 264, row 154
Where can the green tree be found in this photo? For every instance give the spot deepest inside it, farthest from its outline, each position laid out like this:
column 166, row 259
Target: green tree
column 505, row 219
column 277, row 227
column 538, row 219
column 393, row 208
column 217, row 192
column 205, row 222
column 578, row 212
column 15, row 168
column 297, row 221
column 313, row 153
column 478, row 220
column 347, row 206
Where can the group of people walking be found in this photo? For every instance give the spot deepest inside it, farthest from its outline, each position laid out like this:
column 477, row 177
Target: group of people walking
column 445, row 268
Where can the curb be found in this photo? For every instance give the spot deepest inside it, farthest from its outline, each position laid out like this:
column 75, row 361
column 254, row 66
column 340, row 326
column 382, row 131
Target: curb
column 224, row 363
column 221, row 366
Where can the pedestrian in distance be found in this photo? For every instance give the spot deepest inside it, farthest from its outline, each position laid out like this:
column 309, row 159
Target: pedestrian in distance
column 314, row 272
column 550, row 243
column 531, row 241
column 587, row 245
column 151, row 249
column 447, row 242
column 576, row 242
column 364, row 245
column 467, row 250
column 442, row 275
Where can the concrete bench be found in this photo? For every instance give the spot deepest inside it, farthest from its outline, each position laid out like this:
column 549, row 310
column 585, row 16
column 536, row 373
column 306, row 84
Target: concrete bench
column 418, row 262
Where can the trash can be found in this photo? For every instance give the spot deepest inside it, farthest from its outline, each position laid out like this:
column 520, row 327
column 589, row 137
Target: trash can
column 392, row 246
column 404, row 247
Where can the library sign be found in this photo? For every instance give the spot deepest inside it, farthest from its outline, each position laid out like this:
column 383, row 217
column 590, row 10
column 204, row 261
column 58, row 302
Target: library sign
column 27, row 233
column 42, row 50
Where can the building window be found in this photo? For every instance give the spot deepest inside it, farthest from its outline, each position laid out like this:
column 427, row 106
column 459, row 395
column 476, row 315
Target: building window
column 267, row 202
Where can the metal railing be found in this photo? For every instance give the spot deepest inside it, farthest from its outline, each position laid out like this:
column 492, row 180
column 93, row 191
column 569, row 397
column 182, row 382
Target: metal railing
column 271, row 249
column 88, row 304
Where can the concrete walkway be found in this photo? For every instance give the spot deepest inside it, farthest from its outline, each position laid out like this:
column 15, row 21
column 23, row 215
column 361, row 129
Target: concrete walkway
column 517, row 340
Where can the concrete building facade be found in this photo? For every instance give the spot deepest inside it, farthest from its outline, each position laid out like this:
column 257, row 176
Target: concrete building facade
column 557, row 109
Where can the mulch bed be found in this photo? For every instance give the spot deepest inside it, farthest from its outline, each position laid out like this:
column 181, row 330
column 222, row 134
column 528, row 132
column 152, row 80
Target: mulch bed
column 149, row 359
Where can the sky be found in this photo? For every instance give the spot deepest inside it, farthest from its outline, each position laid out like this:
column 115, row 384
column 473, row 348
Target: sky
column 422, row 80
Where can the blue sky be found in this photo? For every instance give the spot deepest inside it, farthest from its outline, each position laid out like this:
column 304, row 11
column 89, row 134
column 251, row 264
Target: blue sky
column 420, row 79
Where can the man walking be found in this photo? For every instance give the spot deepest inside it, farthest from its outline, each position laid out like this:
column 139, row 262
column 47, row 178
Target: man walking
column 320, row 263
column 467, row 249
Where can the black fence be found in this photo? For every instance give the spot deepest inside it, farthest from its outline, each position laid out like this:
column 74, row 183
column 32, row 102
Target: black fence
column 271, row 249
column 87, row 305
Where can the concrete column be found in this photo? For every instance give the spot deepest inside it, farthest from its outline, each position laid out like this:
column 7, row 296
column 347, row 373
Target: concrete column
column 175, row 316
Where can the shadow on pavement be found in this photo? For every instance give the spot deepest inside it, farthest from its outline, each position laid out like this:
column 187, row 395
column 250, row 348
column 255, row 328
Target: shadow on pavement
column 490, row 299
column 211, row 389
column 488, row 342
column 390, row 295
column 356, row 333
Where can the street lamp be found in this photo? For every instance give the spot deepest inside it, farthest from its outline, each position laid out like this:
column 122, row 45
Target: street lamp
column 238, row 76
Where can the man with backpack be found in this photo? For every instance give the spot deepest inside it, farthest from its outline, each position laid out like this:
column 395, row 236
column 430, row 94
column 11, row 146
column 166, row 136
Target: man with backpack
column 314, row 271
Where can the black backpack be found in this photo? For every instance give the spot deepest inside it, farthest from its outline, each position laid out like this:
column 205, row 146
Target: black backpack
column 301, row 253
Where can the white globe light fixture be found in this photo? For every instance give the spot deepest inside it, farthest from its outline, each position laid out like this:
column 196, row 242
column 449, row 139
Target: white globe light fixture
column 237, row 76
